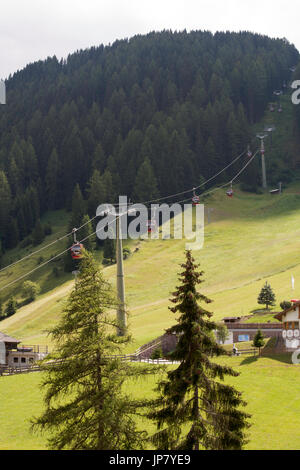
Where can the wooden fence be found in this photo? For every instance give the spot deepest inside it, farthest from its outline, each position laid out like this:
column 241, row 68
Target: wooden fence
column 10, row 370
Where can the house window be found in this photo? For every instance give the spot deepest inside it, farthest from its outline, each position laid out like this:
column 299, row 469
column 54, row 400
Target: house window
column 16, row 359
column 23, row 359
column 31, row 360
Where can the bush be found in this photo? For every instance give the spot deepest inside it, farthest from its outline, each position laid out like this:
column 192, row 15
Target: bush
column 47, row 229
column 285, row 304
column 126, row 253
column 55, row 271
column 157, row 353
column 251, row 188
column 26, row 242
column 30, row 290
column 11, row 307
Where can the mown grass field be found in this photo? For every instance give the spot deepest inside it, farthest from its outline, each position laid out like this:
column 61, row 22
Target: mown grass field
column 269, row 386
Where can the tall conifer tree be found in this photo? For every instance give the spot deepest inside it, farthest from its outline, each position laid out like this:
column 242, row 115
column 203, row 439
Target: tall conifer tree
column 195, row 409
column 95, row 412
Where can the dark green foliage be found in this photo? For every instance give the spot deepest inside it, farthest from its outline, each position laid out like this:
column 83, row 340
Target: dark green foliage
column 182, row 102
column 109, row 250
column 126, row 253
column 195, row 408
column 266, row 296
column 11, row 233
column 258, row 340
column 86, row 405
column 157, row 354
column 285, row 304
column 145, row 185
column 78, row 208
column 47, row 229
column 30, row 290
column 38, row 233
column 85, row 233
column 11, row 307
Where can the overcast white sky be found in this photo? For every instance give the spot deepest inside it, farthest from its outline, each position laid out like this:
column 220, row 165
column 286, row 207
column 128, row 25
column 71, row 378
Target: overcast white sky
column 34, row 29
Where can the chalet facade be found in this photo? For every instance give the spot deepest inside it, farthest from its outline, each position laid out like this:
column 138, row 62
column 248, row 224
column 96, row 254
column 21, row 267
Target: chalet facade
column 16, row 356
column 246, row 331
column 290, row 319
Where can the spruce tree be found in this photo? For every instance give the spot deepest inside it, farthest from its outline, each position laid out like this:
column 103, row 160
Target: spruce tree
column 38, row 233
column 86, row 403
column 78, row 208
column 53, row 191
column 145, row 186
column 109, row 250
column 195, row 409
column 11, row 307
column 96, row 193
column 258, row 340
column 85, row 233
column 266, row 296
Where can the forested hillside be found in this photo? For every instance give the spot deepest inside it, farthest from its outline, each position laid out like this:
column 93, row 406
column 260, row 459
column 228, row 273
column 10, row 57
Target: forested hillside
column 143, row 117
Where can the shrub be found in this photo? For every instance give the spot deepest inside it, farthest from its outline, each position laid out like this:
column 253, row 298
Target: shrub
column 126, row 253
column 30, row 290
column 157, row 353
column 285, row 304
column 47, row 229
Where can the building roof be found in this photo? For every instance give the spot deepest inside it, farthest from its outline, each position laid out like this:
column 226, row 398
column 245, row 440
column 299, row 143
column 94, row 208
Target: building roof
column 279, row 315
column 8, row 339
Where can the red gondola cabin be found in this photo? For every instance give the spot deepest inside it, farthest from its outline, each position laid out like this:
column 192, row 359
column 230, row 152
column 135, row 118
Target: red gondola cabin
column 76, row 250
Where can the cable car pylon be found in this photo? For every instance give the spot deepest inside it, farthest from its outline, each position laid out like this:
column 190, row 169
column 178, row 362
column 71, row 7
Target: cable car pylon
column 263, row 165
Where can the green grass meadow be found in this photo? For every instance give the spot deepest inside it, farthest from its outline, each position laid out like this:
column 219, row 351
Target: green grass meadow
column 268, row 384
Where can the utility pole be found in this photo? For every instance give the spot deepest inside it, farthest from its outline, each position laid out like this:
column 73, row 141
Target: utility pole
column 121, row 309
column 270, row 128
column 263, row 165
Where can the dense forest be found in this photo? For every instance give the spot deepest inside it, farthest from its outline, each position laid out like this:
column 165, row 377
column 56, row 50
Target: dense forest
column 143, row 117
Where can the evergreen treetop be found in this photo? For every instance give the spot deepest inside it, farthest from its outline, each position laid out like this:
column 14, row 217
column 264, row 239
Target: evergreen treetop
column 266, row 296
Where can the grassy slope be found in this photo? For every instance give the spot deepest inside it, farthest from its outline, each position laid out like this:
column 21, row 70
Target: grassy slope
column 252, row 238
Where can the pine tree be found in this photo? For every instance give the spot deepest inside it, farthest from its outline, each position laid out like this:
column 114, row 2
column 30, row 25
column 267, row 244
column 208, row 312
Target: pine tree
column 11, row 233
column 38, row 233
column 109, row 250
column 5, row 205
column 85, row 233
column 145, row 186
column 193, row 396
column 266, row 296
column 52, row 181
column 96, row 191
column 11, row 307
column 258, row 340
column 95, row 413
column 78, row 208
